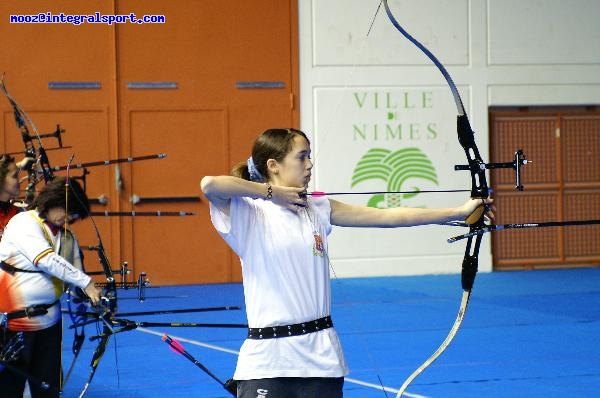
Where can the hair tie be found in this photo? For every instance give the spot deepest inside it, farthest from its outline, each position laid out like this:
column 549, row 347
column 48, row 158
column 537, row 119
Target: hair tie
column 253, row 171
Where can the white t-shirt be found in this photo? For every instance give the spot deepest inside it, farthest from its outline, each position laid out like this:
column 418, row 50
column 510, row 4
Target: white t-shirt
column 286, row 281
column 29, row 244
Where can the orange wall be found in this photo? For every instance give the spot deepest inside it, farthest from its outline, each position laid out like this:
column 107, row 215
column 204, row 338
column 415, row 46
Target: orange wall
column 205, row 123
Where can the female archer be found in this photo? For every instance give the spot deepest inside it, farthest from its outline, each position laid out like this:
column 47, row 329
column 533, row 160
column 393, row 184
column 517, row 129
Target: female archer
column 280, row 234
column 31, row 283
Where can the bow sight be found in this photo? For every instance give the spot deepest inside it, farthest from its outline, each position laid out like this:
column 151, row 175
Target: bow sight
column 519, row 160
column 123, row 271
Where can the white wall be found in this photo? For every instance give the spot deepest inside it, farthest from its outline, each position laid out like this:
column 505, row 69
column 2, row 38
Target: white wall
column 380, row 91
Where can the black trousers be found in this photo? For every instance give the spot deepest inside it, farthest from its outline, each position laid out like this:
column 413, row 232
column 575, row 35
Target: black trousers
column 41, row 360
column 291, row 387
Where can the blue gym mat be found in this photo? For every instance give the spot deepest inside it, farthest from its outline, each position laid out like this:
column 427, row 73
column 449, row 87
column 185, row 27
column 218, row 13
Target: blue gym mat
column 526, row 334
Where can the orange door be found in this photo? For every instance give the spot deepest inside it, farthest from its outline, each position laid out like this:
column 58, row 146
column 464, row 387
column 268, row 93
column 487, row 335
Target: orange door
column 562, row 184
column 199, row 87
column 53, row 71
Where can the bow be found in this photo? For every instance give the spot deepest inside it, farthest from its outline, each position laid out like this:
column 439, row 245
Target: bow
column 110, row 308
column 42, row 165
column 479, row 189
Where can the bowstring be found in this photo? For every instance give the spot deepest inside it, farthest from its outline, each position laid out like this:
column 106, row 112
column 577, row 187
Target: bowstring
column 328, row 260
column 76, row 318
column 64, row 247
column 363, row 342
column 338, row 105
column 67, row 182
column 98, row 323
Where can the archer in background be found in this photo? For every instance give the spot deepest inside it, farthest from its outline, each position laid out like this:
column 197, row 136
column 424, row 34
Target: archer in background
column 280, row 233
column 31, row 283
column 9, row 187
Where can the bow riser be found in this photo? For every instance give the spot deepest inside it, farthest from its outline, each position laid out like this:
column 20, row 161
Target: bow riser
column 466, row 138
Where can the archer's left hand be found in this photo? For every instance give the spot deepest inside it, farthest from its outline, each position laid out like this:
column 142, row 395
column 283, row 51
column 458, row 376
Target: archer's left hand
column 473, row 209
column 93, row 293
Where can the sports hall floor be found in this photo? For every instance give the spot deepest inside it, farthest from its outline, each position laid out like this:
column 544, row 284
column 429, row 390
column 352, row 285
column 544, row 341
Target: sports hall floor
column 526, row 334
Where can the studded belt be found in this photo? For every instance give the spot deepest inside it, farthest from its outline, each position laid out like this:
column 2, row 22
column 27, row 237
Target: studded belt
column 273, row 332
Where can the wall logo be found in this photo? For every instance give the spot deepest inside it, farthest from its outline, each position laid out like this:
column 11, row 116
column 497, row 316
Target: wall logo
column 395, row 169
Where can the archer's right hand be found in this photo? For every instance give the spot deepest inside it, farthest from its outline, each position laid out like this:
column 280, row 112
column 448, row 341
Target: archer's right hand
column 292, row 198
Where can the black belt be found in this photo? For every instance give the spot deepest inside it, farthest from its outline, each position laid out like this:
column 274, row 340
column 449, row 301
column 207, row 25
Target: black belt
column 272, row 332
column 34, row 310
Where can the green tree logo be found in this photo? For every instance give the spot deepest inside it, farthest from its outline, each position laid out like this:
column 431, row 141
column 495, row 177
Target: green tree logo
column 395, row 169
